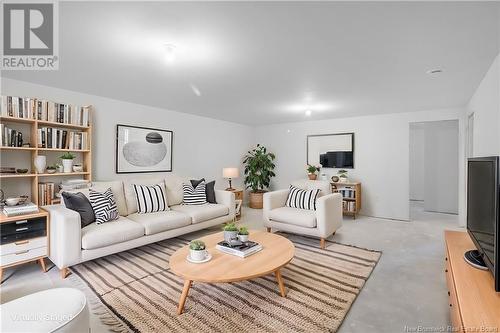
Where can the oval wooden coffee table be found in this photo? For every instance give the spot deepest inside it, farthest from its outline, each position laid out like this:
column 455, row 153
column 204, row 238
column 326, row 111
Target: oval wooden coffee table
column 277, row 252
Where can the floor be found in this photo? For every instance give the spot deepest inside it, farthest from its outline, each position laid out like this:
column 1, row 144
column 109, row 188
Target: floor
column 406, row 292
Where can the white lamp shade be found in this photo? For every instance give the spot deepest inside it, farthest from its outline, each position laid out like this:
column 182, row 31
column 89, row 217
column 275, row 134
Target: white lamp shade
column 230, row 173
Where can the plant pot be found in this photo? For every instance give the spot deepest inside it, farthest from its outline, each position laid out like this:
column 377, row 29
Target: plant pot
column 256, row 199
column 243, row 238
column 198, row 255
column 312, row 176
column 343, row 179
column 60, row 168
column 67, row 166
column 230, row 235
column 40, row 163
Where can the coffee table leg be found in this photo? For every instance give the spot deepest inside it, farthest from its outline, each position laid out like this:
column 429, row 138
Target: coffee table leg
column 281, row 283
column 182, row 301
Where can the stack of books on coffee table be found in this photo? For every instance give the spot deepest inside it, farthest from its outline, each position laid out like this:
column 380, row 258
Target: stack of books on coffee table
column 240, row 249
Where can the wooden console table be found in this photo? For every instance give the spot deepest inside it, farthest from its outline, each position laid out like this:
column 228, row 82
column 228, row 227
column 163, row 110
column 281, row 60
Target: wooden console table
column 474, row 304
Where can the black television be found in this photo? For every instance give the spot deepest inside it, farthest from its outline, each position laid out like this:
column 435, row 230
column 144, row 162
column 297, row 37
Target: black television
column 483, row 223
column 337, row 159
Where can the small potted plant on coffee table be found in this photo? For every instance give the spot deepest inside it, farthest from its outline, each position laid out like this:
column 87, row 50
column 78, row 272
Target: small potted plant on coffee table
column 243, row 234
column 230, row 232
column 197, row 250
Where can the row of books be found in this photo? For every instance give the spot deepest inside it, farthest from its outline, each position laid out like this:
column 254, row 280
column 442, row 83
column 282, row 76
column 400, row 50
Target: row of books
column 347, row 192
column 7, row 170
column 32, row 108
column 46, row 193
column 349, row 206
column 49, row 137
column 10, row 137
column 240, row 249
column 27, row 208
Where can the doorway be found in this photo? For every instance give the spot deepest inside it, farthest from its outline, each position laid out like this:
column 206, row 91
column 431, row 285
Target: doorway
column 434, row 157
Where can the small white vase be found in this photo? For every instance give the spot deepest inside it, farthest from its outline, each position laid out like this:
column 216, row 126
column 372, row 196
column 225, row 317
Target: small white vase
column 40, row 163
column 67, row 166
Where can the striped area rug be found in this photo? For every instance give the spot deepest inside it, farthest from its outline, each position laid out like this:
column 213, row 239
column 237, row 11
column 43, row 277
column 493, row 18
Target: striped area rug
column 138, row 287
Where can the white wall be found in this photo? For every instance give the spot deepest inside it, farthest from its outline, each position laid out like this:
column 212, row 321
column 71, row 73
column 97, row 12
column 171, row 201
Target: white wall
column 202, row 146
column 417, row 165
column 441, row 166
column 485, row 104
column 381, row 155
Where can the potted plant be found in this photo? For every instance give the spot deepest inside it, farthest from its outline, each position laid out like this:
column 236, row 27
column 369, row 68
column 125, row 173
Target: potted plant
column 51, row 169
column 342, row 175
column 197, row 250
column 59, row 167
column 311, row 171
column 67, row 161
column 259, row 166
column 243, row 234
column 230, row 232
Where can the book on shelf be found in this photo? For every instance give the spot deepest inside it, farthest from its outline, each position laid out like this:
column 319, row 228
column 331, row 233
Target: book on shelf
column 27, row 208
column 32, row 108
column 7, row 170
column 49, row 137
column 10, row 137
column 349, row 206
column 240, row 249
column 46, row 193
column 347, row 192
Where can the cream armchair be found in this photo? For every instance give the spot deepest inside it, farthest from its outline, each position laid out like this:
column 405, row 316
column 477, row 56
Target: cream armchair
column 321, row 223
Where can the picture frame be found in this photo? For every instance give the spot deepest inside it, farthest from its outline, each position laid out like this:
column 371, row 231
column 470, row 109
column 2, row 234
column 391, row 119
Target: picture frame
column 334, row 150
column 143, row 149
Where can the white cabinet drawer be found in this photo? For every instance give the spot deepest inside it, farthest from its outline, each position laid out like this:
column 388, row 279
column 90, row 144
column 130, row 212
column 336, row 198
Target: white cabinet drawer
column 23, row 245
column 13, row 258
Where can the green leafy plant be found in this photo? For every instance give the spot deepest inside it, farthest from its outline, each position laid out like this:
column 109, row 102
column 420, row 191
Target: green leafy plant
column 52, row 167
column 342, row 173
column 313, row 168
column 243, row 231
column 259, row 166
column 230, row 227
column 67, row 156
column 197, row 245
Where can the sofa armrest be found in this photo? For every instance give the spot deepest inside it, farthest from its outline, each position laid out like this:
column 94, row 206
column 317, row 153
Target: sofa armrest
column 329, row 214
column 272, row 200
column 226, row 198
column 65, row 236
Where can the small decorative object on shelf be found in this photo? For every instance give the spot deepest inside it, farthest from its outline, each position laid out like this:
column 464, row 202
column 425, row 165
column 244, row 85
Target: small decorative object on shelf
column 342, row 175
column 243, row 234
column 230, row 232
column 67, row 161
column 77, row 168
column 335, row 179
column 40, row 163
column 21, row 171
column 59, row 167
column 52, row 169
column 197, row 250
column 312, row 171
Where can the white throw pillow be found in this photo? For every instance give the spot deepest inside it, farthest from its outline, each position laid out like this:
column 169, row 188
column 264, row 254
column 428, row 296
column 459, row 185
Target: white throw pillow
column 150, row 198
column 302, row 199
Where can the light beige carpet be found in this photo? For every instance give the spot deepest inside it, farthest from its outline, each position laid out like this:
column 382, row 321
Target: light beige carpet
column 138, row 287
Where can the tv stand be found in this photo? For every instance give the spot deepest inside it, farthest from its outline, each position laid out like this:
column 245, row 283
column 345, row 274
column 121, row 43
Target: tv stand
column 475, row 259
column 474, row 305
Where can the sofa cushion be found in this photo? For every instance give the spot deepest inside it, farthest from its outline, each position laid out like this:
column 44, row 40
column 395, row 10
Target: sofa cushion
column 128, row 189
column 150, row 198
column 202, row 212
column 161, row 221
column 95, row 236
column 80, row 204
column 173, row 183
column 300, row 217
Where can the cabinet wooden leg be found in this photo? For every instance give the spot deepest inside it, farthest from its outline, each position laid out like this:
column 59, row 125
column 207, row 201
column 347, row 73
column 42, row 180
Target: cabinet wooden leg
column 322, row 243
column 41, row 261
column 1, row 275
column 185, row 291
column 281, row 283
column 268, row 229
column 64, row 272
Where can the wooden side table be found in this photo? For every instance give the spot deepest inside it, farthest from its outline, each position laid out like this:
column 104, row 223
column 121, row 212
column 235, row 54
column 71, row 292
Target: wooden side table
column 24, row 238
column 238, row 195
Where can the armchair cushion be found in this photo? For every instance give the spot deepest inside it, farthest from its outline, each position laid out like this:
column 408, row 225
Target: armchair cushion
column 299, row 217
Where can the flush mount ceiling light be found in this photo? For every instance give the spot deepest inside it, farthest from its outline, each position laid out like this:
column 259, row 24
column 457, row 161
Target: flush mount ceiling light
column 434, row 71
column 308, row 113
column 170, row 53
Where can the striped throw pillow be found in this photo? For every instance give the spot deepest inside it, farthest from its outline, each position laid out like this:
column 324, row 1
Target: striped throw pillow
column 303, row 199
column 150, row 198
column 194, row 195
column 104, row 206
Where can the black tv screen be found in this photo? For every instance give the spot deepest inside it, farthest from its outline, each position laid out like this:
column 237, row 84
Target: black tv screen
column 337, row 159
column 483, row 210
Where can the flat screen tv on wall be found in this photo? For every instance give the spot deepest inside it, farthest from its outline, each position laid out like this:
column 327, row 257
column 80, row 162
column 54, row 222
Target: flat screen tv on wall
column 483, row 223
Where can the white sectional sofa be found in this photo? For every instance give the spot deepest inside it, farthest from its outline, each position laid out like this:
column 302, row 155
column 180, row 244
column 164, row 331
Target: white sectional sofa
column 70, row 244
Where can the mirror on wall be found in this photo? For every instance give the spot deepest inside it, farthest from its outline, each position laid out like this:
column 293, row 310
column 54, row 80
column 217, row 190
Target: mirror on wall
column 331, row 150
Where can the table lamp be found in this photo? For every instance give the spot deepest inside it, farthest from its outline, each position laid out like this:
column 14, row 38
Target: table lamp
column 230, row 173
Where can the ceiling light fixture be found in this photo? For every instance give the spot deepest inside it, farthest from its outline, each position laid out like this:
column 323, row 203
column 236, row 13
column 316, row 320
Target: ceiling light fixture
column 308, row 113
column 170, row 53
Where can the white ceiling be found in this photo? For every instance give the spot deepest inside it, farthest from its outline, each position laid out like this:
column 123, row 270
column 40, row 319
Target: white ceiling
column 267, row 62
